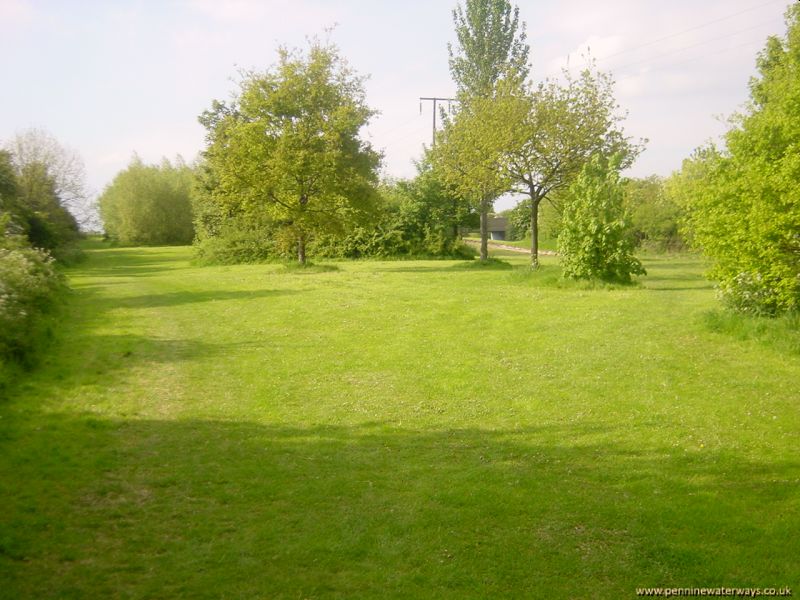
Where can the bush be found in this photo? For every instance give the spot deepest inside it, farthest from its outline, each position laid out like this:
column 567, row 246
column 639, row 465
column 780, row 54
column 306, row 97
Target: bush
column 30, row 291
column 750, row 294
column 237, row 245
column 596, row 241
column 742, row 200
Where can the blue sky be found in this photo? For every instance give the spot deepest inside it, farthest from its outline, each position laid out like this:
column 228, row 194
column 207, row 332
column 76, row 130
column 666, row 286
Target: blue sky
column 116, row 77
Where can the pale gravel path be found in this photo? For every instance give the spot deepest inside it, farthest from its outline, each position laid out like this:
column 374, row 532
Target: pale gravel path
column 511, row 248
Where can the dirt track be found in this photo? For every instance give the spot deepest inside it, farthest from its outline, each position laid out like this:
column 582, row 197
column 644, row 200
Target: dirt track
column 510, row 248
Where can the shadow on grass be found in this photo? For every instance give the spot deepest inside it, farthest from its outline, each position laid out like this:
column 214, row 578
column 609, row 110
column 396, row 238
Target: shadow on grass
column 461, row 266
column 177, row 298
column 195, row 508
column 309, row 268
column 128, row 262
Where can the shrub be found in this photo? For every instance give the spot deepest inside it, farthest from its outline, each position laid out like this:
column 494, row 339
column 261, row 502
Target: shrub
column 596, row 240
column 742, row 200
column 30, row 290
column 234, row 244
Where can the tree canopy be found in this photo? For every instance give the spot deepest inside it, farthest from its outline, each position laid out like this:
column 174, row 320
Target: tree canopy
column 555, row 129
column 288, row 147
column 742, row 201
column 149, row 204
column 491, row 55
column 64, row 166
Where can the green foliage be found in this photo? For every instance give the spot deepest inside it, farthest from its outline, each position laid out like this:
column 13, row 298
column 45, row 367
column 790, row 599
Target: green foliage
column 655, row 215
column 29, row 199
column 491, row 56
column 237, row 243
column 64, row 169
column 149, row 204
column 742, row 203
column 30, row 291
column 48, row 224
column 555, row 129
column 416, row 218
column 491, row 46
column 288, row 148
column 548, row 220
column 468, row 157
column 596, row 240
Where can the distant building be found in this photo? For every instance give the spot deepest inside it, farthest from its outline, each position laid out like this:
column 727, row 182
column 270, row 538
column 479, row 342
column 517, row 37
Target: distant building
column 498, row 228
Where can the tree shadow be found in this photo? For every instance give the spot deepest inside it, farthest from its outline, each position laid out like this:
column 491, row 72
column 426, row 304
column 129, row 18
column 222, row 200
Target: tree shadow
column 678, row 288
column 128, row 262
column 203, row 508
column 186, row 297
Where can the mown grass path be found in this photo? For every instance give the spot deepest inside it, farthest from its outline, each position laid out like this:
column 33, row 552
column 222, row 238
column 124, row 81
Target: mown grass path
column 395, row 429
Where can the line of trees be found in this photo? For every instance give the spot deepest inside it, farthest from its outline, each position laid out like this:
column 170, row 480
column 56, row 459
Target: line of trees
column 512, row 136
column 39, row 181
column 286, row 170
column 149, row 204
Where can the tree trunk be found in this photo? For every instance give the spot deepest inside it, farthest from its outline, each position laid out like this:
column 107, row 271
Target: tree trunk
column 535, row 232
column 484, row 231
column 301, row 250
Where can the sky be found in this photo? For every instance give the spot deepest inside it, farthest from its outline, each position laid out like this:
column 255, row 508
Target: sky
column 110, row 78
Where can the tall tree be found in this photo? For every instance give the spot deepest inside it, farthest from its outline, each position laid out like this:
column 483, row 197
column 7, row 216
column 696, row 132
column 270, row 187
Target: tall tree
column 556, row 128
column 491, row 45
column 469, row 157
column 64, row 166
column 290, row 145
column 48, row 224
column 491, row 54
column 742, row 201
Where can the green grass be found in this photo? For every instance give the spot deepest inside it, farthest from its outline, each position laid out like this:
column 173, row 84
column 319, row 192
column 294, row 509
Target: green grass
column 396, row 429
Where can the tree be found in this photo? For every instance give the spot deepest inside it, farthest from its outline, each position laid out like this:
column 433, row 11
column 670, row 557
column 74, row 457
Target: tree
column 149, row 204
column 9, row 192
column 31, row 207
column 47, row 223
column 491, row 45
column 596, row 240
column 557, row 127
column 654, row 215
column 64, row 166
column 491, row 54
column 469, row 158
column 289, row 146
column 742, row 201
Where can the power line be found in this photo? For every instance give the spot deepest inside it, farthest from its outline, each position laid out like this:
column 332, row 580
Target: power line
column 696, row 27
column 415, row 131
column 693, row 58
column 396, row 127
column 675, row 51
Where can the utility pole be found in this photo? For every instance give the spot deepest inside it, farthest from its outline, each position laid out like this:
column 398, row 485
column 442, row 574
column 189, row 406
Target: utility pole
column 435, row 100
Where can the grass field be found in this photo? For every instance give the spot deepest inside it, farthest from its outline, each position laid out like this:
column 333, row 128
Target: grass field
column 396, row 429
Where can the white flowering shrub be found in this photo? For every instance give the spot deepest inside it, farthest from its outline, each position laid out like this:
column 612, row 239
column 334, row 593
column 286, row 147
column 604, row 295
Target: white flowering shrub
column 30, row 290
